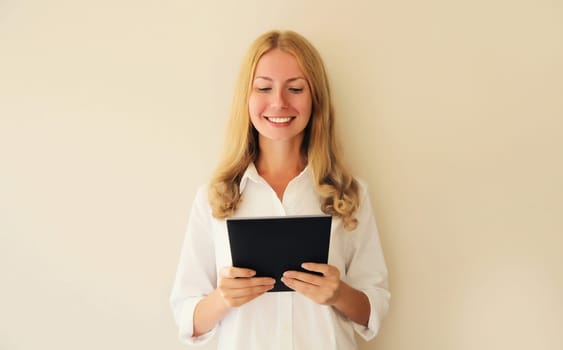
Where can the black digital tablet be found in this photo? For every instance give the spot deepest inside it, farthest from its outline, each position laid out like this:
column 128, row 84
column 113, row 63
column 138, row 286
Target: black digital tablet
column 273, row 245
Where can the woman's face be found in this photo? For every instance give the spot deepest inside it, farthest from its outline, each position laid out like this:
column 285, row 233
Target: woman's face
column 280, row 102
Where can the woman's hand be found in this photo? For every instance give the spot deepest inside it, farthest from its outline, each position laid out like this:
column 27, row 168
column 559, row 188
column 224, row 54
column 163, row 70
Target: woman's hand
column 238, row 286
column 325, row 289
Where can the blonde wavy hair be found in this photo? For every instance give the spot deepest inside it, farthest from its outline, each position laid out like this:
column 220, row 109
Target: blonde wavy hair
column 337, row 189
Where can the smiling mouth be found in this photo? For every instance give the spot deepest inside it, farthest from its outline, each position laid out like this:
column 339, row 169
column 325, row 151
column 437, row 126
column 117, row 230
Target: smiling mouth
column 279, row 120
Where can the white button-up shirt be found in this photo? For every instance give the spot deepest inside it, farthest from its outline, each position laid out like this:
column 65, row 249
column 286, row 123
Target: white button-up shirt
column 279, row 320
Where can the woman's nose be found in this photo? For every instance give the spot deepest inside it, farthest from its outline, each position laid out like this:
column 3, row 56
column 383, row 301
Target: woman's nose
column 279, row 100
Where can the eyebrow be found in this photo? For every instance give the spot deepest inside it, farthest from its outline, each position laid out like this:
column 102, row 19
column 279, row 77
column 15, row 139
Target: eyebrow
column 287, row 81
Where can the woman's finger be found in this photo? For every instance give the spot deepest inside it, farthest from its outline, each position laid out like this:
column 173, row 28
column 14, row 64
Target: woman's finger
column 235, row 272
column 245, row 292
column 238, row 283
column 305, row 277
column 325, row 269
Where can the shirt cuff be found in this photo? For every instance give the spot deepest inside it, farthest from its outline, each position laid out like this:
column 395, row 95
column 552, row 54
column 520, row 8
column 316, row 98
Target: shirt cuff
column 186, row 326
column 378, row 308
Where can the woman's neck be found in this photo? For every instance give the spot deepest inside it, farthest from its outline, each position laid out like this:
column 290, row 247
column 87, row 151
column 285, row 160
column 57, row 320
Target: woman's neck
column 279, row 158
column 279, row 162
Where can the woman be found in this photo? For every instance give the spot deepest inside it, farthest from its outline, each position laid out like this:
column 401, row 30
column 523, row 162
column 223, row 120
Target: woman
column 281, row 158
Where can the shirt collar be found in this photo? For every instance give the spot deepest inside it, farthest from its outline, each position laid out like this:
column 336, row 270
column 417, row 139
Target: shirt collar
column 251, row 173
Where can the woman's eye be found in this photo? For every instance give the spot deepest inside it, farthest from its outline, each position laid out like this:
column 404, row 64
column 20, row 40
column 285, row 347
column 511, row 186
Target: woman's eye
column 296, row 90
column 263, row 89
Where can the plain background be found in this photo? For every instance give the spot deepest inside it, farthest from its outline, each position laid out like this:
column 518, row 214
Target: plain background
column 113, row 112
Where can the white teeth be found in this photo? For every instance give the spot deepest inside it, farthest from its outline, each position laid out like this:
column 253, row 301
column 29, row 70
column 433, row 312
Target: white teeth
column 279, row 120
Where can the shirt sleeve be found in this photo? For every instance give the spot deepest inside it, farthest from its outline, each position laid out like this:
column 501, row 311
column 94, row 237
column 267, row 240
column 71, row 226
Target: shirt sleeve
column 366, row 270
column 196, row 275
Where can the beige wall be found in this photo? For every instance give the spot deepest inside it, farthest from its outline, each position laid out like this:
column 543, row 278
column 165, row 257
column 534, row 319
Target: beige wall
column 112, row 112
